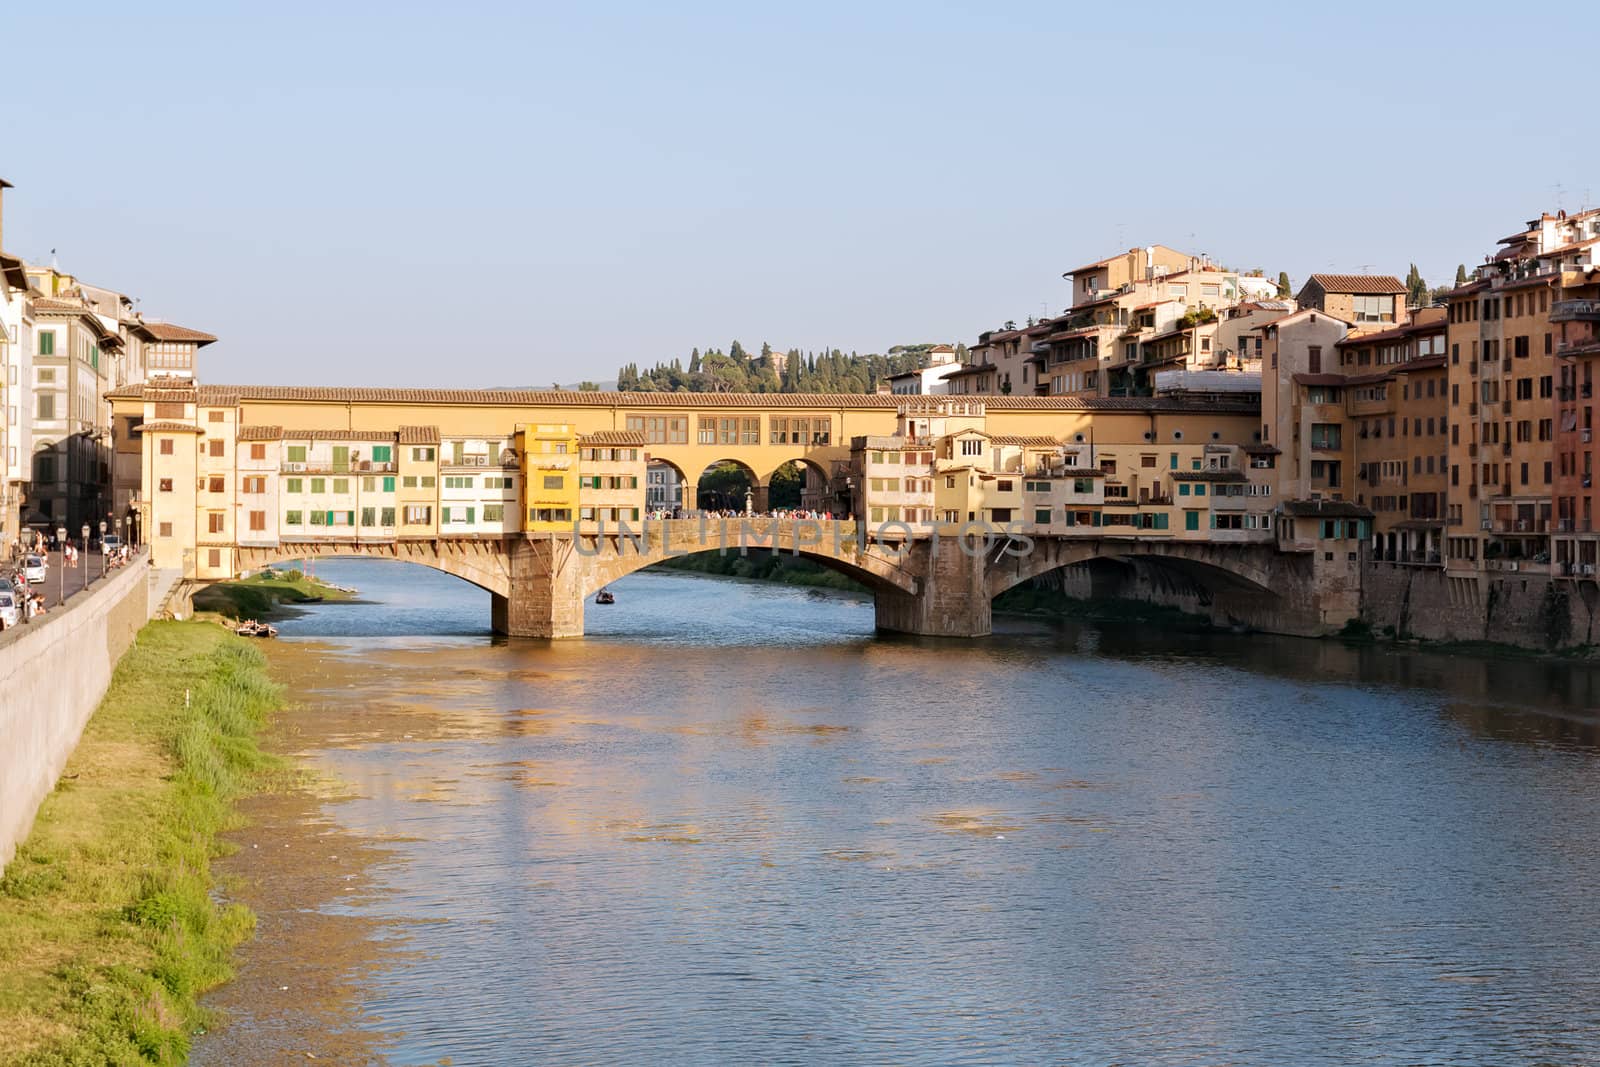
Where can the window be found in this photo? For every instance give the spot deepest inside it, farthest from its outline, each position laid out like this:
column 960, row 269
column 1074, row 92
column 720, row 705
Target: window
column 47, row 405
column 418, row 514
column 294, row 485
column 165, row 446
column 47, row 342
column 386, row 517
column 258, row 520
column 258, row 451
column 1326, row 435
column 369, row 516
column 382, row 453
column 427, row 481
column 214, row 557
column 972, row 446
column 215, row 447
column 164, row 529
column 214, row 522
column 319, row 485
column 165, row 485
column 422, row 455
column 494, row 513
column 466, row 482
column 297, row 453
column 1041, row 516
column 213, row 416
column 1314, row 359
column 1373, row 308
column 341, row 485
column 554, row 481
column 217, row 484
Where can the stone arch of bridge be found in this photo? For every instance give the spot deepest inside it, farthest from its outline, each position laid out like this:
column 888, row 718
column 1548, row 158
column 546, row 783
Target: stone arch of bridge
column 1205, row 564
column 878, row 567
column 480, row 562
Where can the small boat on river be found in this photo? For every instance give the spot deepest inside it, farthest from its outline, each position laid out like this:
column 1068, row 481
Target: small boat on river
column 255, row 628
column 605, row 596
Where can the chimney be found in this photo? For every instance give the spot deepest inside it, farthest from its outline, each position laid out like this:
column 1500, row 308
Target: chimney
column 4, row 185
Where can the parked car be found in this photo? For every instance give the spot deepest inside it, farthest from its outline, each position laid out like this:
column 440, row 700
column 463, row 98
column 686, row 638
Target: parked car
column 10, row 613
column 33, row 569
column 110, row 543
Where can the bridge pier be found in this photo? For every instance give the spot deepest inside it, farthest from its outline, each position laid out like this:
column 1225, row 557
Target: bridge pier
column 544, row 596
column 951, row 599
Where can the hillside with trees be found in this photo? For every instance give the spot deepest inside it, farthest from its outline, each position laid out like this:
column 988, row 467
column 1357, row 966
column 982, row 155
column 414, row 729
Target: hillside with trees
column 738, row 370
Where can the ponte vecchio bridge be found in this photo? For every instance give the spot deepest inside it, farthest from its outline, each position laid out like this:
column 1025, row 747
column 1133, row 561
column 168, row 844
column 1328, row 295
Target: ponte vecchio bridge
column 539, row 496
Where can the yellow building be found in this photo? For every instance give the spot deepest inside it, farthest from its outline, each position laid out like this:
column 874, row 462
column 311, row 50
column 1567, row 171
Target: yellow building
column 549, row 476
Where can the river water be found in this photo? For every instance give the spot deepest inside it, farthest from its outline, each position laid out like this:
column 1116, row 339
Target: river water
column 731, row 825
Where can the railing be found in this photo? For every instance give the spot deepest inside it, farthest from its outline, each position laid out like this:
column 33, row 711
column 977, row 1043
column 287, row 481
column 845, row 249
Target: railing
column 1575, row 311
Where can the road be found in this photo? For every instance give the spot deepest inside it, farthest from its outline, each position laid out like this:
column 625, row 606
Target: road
column 67, row 580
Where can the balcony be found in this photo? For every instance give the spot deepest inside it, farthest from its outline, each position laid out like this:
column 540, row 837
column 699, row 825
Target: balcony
column 1566, row 394
column 1575, row 311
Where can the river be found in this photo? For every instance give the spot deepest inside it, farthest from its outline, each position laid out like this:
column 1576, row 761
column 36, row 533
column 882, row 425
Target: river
column 731, row 825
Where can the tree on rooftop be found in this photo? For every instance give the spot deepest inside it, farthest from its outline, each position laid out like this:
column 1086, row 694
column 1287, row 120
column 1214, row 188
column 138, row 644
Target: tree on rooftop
column 1416, row 288
column 1461, row 275
column 1284, row 289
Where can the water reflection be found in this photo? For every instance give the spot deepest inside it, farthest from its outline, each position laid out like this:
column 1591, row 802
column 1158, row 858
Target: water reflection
column 732, row 826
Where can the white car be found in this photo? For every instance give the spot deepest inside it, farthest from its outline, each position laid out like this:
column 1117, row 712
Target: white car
column 33, row 569
column 10, row 613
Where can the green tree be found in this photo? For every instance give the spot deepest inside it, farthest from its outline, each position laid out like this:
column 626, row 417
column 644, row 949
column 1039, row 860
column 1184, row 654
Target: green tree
column 1285, row 290
column 1461, row 275
column 588, row 387
column 1416, row 288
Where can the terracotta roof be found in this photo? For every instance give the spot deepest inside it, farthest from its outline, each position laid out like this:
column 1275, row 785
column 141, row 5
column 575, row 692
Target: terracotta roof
column 171, row 331
column 55, row 304
column 1325, row 509
column 168, row 427
column 969, row 370
column 171, row 396
column 1025, row 440
column 260, row 433
column 334, row 435
column 612, row 437
column 1363, row 284
column 1067, row 335
column 230, row 395
column 419, row 435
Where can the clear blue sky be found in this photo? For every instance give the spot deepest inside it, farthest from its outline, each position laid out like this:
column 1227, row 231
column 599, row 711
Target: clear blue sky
column 498, row 194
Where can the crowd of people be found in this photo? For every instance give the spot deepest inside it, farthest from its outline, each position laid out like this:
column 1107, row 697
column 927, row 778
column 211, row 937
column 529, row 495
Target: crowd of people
column 734, row 513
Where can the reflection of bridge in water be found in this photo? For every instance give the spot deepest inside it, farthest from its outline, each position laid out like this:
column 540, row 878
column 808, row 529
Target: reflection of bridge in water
column 937, row 583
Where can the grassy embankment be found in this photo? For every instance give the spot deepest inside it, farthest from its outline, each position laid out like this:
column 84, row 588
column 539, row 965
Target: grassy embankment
column 108, row 931
column 262, row 596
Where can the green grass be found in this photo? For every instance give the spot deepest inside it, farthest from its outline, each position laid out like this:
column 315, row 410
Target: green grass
column 108, row 931
column 261, row 596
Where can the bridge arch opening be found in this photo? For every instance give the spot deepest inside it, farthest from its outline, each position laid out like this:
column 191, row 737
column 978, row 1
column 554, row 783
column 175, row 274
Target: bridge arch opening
column 798, row 485
column 1228, row 595
column 665, row 486
column 729, row 485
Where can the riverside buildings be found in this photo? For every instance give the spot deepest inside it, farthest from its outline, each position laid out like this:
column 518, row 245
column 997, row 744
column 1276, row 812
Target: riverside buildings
column 65, row 345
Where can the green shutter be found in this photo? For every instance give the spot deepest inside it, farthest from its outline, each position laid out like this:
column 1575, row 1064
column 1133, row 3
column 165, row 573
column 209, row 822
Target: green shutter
column 297, row 453
column 1191, row 520
column 47, row 343
column 1161, row 520
column 388, row 517
column 382, row 453
column 470, row 512
column 1200, row 489
column 1183, row 488
column 388, row 484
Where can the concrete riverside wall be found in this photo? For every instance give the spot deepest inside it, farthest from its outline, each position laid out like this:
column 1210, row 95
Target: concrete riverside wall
column 53, row 673
column 1530, row 611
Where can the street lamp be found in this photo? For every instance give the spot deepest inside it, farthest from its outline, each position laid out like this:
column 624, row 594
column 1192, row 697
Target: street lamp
column 61, row 539
column 102, row 548
column 85, row 578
